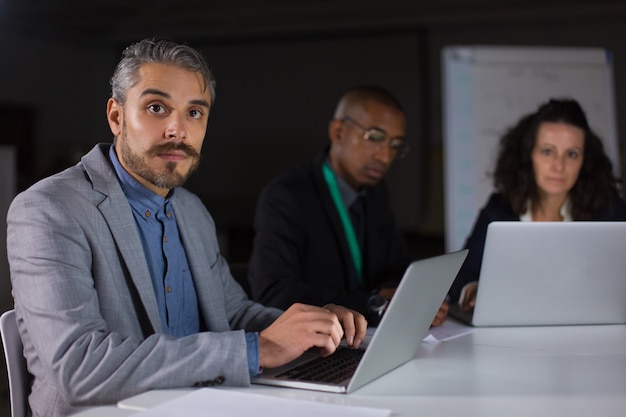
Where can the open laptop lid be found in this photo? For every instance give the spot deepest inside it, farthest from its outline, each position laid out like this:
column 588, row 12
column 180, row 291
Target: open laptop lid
column 401, row 330
column 409, row 316
column 552, row 273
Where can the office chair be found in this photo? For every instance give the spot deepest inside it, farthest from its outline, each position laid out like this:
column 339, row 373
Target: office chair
column 19, row 378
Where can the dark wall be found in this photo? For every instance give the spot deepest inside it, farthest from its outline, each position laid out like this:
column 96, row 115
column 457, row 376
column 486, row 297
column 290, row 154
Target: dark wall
column 274, row 102
column 276, row 95
column 64, row 87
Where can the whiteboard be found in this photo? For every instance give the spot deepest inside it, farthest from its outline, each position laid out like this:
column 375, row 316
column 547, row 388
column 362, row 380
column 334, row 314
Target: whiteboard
column 486, row 90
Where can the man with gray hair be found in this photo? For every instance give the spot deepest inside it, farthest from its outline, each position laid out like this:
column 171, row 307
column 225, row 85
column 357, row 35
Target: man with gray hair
column 118, row 281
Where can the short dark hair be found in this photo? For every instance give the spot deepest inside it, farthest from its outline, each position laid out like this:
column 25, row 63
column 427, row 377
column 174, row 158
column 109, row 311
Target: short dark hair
column 361, row 93
column 160, row 51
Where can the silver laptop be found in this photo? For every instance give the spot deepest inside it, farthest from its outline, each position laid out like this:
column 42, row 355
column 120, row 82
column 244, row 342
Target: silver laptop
column 552, row 273
column 396, row 340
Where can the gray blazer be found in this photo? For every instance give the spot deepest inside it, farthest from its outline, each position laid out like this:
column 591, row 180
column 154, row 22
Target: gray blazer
column 85, row 304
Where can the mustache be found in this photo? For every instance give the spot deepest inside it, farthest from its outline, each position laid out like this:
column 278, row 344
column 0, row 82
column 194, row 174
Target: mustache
column 179, row 146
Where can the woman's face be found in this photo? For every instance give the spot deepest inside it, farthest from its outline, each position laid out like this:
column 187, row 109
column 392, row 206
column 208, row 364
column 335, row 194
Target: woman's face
column 557, row 157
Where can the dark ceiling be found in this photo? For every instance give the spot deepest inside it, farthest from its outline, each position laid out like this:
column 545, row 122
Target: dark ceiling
column 120, row 20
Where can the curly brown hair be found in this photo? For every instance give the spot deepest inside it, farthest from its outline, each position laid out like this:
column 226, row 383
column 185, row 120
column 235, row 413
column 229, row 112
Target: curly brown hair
column 514, row 176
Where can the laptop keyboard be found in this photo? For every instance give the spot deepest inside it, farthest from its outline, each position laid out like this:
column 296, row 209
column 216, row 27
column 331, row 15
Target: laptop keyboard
column 331, row 369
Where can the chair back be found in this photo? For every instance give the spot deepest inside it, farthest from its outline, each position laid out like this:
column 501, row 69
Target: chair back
column 19, row 377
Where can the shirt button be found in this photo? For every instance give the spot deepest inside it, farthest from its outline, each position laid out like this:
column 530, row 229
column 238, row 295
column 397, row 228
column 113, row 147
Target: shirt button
column 169, row 289
column 169, row 214
column 148, row 214
column 164, row 239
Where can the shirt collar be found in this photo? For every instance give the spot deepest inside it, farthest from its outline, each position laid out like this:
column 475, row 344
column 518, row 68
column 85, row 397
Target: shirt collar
column 138, row 196
column 348, row 194
column 566, row 212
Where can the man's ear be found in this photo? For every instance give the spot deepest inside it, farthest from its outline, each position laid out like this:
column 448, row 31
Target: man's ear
column 335, row 129
column 115, row 116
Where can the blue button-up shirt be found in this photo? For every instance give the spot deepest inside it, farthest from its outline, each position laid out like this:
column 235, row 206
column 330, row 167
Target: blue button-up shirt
column 167, row 261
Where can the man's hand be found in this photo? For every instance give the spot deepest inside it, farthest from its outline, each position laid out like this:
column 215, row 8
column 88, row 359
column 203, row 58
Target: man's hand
column 302, row 327
column 441, row 315
column 387, row 292
column 469, row 296
column 354, row 324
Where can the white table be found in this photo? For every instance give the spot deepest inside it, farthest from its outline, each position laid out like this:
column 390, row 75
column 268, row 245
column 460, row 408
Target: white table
column 526, row 371
column 106, row 411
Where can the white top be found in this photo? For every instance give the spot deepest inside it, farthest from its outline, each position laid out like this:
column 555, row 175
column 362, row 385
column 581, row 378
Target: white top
column 565, row 212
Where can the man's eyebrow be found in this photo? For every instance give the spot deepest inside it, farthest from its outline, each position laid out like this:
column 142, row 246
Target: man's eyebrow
column 154, row 91
column 380, row 129
column 199, row 102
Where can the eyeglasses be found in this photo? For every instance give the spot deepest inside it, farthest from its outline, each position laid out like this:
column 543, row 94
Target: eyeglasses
column 378, row 137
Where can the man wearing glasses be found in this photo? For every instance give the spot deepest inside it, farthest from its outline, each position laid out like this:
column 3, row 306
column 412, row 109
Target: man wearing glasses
column 325, row 232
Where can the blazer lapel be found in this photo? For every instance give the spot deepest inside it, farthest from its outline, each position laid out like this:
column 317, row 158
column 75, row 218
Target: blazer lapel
column 194, row 238
column 125, row 234
column 123, row 228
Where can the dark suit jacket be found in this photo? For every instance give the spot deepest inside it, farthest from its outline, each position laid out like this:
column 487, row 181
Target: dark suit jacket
column 497, row 209
column 300, row 251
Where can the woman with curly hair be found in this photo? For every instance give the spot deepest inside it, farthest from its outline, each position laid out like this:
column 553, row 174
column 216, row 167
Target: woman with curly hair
column 551, row 167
